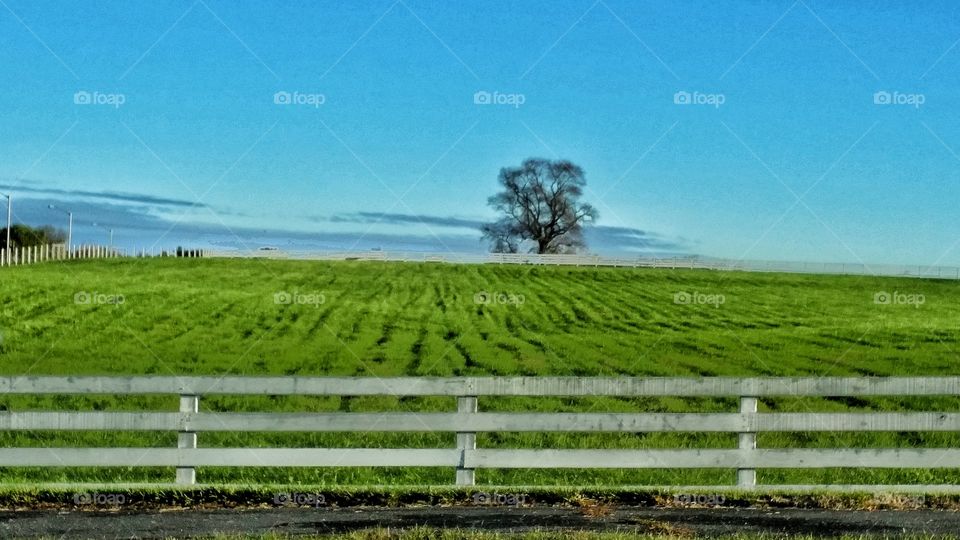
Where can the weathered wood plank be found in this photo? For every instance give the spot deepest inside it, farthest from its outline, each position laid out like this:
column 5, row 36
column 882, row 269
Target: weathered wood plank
column 227, row 457
column 479, row 386
column 698, row 459
column 90, row 421
column 477, row 422
column 483, row 458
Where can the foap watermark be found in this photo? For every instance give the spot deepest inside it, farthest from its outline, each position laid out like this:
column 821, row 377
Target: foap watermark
column 884, row 97
column 85, row 298
column 704, row 499
column 897, row 298
column 482, row 97
column 315, row 500
column 299, row 98
column 483, row 498
column 486, row 298
column 699, row 98
column 295, row 298
column 698, row 298
column 93, row 498
column 83, row 97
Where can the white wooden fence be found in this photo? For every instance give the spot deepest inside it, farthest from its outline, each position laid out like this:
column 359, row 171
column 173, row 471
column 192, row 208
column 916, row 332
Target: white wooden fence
column 59, row 252
column 466, row 422
column 54, row 252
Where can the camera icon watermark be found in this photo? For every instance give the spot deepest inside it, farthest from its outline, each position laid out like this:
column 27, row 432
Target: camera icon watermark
column 884, row 298
column 85, row 298
column 83, row 97
column 486, row 298
column 698, row 298
column 297, row 98
column 699, row 98
column 482, row 97
column 884, row 97
column 315, row 500
column 286, row 298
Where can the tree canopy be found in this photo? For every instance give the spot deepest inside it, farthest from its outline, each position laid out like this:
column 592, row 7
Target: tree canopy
column 27, row 236
column 540, row 207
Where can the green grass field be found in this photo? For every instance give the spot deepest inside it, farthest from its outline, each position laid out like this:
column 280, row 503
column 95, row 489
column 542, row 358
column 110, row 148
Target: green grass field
column 662, row 532
column 192, row 316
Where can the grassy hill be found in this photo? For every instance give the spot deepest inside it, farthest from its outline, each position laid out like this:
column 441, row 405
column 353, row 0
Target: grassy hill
column 247, row 317
column 220, row 316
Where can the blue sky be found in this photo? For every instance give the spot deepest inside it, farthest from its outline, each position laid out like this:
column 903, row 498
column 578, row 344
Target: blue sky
column 785, row 153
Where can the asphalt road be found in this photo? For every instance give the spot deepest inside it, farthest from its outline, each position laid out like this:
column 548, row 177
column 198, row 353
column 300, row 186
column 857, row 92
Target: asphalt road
column 298, row 521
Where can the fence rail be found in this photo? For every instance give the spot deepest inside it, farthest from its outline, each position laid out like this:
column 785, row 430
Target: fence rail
column 467, row 421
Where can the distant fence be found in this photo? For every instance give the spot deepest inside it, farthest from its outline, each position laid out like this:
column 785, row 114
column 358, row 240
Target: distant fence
column 936, row 272
column 18, row 256
column 58, row 252
column 467, row 421
column 54, row 252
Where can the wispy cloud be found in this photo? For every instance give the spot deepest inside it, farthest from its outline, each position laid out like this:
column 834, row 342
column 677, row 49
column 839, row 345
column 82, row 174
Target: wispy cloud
column 599, row 237
column 104, row 195
column 605, row 238
column 369, row 218
column 137, row 224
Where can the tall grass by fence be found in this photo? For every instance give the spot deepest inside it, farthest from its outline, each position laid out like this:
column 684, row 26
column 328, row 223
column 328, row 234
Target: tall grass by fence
column 467, row 421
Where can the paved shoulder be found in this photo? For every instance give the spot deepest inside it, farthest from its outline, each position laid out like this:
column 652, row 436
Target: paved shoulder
column 297, row 521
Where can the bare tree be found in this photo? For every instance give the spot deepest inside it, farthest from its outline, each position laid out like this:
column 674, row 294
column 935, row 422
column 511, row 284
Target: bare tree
column 540, row 203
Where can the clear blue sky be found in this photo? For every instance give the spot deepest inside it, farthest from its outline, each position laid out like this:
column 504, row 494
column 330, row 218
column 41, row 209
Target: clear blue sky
column 398, row 131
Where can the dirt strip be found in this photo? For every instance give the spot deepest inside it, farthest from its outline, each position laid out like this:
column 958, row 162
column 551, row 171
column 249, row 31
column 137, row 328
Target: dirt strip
column 300, row 521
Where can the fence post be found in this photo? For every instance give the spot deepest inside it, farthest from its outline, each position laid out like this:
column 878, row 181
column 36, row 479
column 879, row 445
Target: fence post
column 747, row 441
column 187, row 439
column 466, row 440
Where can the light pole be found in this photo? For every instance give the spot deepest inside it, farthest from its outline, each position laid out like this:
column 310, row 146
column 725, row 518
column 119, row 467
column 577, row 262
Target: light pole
column 9, row 217
column 104, row 227
column 69, row 225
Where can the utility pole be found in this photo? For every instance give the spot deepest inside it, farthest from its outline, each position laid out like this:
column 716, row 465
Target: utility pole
column 69, row 225
column 9, row 217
